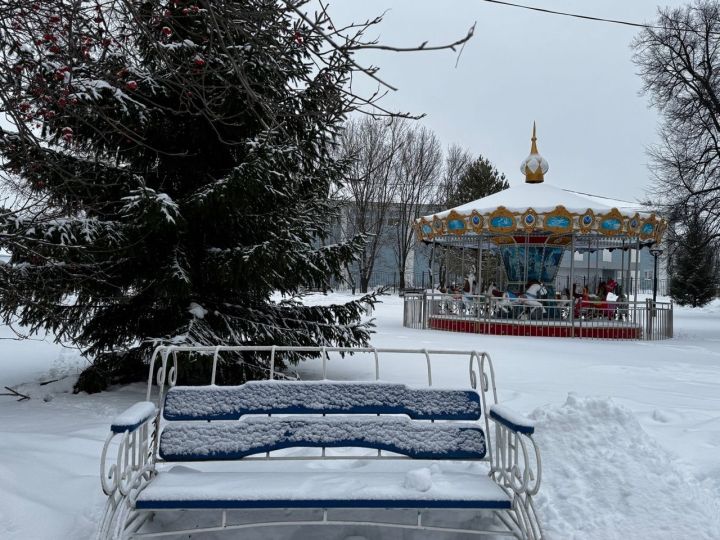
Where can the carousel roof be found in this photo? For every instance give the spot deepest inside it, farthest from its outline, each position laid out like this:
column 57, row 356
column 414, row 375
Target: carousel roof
column 538, row 207
column 543, row 197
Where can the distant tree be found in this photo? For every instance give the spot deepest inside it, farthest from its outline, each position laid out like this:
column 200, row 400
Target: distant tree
column 371, row 148
column 478, row 180
column 693, row 268
column 679, row 60
column 457, row 160
column 417, row 172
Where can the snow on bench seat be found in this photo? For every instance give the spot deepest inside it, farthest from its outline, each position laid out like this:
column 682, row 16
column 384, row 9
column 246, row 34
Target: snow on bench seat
column 323, row 484
column 227, row 441
column 275, row 397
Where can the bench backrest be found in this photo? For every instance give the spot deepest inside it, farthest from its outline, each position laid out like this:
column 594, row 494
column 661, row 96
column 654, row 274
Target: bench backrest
column 276, row 397
column 406, row 432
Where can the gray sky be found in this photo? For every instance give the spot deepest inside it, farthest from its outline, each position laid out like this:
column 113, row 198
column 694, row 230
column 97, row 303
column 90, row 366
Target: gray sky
column 574, row 77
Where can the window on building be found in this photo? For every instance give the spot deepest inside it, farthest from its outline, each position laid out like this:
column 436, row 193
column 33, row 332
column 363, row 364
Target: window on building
column 607, row 255
column 578, row 256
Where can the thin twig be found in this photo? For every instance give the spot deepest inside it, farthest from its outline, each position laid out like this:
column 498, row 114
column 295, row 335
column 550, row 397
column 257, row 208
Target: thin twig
column 15, row 393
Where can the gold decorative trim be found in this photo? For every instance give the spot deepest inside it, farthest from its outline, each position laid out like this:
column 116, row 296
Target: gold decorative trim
column 556, row 222
column 503, row 240
column 586, row 222
column 476, row 221
column 529, row 220
column 633, row 224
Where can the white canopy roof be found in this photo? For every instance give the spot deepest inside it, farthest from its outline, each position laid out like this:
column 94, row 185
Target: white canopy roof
column 544, row 197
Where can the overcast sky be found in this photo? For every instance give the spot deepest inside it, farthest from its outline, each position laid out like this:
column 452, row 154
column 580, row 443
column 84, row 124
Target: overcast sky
column 574, row 77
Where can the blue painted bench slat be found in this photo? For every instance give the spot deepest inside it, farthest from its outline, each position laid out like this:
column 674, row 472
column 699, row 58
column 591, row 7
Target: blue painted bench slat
column 275, row 397
column 236, row 440
column 235, row 504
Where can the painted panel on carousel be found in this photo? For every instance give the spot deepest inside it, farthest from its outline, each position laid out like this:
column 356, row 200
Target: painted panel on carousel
column 558, row 221
column 501, row 220
column 425, row 228
column 437, row 226
column 543, row 262
column 611, row 223
column 648, row 228
column 455, row 223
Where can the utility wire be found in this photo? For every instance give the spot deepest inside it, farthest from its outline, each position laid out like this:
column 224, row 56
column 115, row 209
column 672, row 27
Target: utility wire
column 586, row 17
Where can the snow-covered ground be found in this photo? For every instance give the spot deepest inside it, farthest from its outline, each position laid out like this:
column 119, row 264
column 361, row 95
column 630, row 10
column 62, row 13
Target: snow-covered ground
column 629, row 431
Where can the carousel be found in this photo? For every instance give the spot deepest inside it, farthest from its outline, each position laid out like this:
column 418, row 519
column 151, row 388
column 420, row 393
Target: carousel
column 528, row 229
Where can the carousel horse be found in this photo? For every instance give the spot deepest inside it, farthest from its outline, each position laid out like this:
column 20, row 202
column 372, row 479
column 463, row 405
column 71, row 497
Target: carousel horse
column 528, row 301
column 469, row 303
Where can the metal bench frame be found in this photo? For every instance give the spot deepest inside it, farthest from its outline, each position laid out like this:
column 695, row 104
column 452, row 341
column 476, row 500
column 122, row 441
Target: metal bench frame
column 130, row 453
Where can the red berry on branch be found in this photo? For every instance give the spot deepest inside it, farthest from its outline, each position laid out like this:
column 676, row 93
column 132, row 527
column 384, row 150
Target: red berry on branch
column 24, row 106
column 167, row 13
column 199, row 61
column 167, row 31
column 106, row 42
column 49, row 37
column 131, row 85
column 62, row 102
column 54, row 49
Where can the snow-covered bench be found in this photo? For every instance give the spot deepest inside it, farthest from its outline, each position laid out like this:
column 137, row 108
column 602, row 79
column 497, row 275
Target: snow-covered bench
column 326, row 445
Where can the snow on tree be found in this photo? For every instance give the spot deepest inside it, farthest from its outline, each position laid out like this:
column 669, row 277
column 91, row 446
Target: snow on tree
column 170, row 163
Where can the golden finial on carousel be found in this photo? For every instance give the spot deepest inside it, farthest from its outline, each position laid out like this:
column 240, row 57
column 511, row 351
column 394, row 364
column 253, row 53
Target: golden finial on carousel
column 534, row 167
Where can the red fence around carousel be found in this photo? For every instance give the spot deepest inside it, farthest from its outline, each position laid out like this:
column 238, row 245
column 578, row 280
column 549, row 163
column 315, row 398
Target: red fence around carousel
column 547, row 318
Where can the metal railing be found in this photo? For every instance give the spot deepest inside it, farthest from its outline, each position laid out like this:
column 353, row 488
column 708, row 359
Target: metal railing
column 548, row 318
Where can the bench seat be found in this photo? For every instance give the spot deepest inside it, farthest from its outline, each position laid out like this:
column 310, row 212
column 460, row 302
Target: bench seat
column 326, row 484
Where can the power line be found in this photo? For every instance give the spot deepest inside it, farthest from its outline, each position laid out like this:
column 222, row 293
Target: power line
column 578, row 16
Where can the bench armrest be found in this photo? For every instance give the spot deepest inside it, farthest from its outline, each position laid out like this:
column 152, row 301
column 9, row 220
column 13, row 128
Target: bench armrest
column 512, row 420
column 133, row 417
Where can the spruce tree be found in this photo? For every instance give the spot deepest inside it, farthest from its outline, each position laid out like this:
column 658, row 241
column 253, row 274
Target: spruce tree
column 171, row 163
column 479, row 180
column 694, row 272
